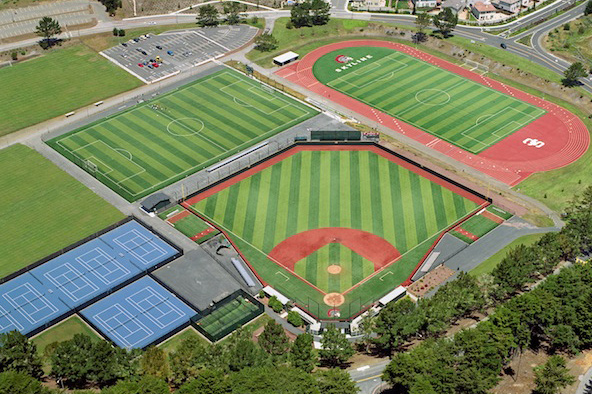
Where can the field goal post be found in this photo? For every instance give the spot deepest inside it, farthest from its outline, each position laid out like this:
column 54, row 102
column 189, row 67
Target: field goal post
column 91, row 166
column 476, row 66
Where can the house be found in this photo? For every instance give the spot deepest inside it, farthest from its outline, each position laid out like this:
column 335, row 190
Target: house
column 424, row 3
column 512, row 6
column 483, row 11
column 455, row 5
column 368, row 3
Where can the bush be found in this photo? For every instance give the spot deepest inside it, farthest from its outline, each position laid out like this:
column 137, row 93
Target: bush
column 261, row 294
column 295, row 319
column 289, row 25
column 115, row 31
column 14, row 56
column 566, row 26
column 275, row 304
column 121, row 33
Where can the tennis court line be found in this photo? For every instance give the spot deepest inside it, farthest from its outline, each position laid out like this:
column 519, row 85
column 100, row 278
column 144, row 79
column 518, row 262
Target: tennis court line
column 123, row 324
column 163, row 301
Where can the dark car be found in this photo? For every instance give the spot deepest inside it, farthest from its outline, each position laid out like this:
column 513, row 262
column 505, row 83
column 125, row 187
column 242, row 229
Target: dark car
column 149, row 66
column 158, row 47
column 152, row 60
column 143, row 53
column 503, row 45
column 136, row 39
column 124, row 44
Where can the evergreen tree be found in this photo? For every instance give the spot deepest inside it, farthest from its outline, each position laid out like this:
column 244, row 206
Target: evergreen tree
column 48, row 28
column 18, row 354
column 154, row 362
column 336, row 349
column 573, row 73
column 335, row 381
column 445, row 21
column 302, row 355
column 553, row 376
column 207, row 16
column 273, row 339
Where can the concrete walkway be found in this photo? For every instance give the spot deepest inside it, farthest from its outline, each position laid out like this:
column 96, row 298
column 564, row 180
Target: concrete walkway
column 585, row 386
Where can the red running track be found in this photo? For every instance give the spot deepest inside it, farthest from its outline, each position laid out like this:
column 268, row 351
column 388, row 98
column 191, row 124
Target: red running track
column 511, row 160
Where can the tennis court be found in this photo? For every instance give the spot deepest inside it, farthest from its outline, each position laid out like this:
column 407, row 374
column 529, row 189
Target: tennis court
column 158, row 142
column 139, row 314
column 47, row 292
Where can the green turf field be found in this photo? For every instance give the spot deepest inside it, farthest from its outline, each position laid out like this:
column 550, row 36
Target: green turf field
column 161, row 141
column 477, row 225
column 226, row 318
column 316, row 189
column 446, row 105
column 189, row 225
column 63, row 331
column 499, row 212
column 43, row 88
column 43, row 209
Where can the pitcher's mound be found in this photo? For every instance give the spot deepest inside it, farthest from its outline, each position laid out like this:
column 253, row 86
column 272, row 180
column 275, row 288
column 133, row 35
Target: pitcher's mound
column 334, row 269
column 334, row 299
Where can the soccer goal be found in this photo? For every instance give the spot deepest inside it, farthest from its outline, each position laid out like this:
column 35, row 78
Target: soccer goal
column 91, row 167
column 476, row 66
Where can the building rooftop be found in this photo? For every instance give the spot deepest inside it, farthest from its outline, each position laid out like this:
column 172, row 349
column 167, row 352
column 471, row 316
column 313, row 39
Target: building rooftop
column 486, row 7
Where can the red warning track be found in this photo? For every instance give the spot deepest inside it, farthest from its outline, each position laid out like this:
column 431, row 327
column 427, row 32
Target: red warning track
column 511, row 160
column 372, row 247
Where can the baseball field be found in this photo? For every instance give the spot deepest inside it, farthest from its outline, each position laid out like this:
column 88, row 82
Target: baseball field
column 333, row 225
column 465, row 113
column 158, row 142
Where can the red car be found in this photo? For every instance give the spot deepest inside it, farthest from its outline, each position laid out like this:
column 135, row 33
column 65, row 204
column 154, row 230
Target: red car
column 155, row 65
column 140, row 65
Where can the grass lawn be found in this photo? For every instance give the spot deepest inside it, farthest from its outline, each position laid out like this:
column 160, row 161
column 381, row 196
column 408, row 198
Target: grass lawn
column 156, row 143
column 446, row 105
column 499, row 212
column 488, row 265
column 43, row 209
column 63, row 331
column 189, row 225
column 51, row 86
column 316, row 189
column 172, row 344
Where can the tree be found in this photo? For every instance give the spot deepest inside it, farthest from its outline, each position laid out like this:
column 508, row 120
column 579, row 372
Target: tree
column 320, row 12
column 300, row 15
column 588, row 9
column 265, row 43
column 233, row 11
column 445, row 21
column 295, row 319
column 188, row 360
column 575, row 71
column 552, row 377
column 273, row 339
column 301, row 354
column 207, row 382
column 281, row 379
column 154, row 362
column 242, row 352
column 48, row 28
column 146, row 385
column 18, row 354
column 111, row 5
column 273, row 302
column 335, row 381
column 335, row 348
column 12, row 382
column 422, row 21
column 207, row 16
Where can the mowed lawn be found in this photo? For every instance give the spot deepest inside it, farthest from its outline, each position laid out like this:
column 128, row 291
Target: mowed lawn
column 55, row 84
column 43, row 209
column 446, row 105
column 158, row 142
column 63, row 331
column 316, row 189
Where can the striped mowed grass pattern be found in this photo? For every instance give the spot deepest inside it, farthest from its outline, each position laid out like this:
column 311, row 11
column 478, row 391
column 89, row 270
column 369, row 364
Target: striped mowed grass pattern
column 158, row 142
column 314, row 268
column 317, row 189
column 449, row 106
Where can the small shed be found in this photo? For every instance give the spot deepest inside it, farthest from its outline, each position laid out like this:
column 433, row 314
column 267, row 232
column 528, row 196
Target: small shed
column 285, row 58
column 154, row 202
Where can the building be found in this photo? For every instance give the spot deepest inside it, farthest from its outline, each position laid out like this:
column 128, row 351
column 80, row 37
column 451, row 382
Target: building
column 512, row 6
column 424, row 3
column 483, row 11
column 368, row 3
column 455, row 5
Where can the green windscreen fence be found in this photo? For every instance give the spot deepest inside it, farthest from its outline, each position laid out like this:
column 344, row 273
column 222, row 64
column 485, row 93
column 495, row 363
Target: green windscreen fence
column 336, row 135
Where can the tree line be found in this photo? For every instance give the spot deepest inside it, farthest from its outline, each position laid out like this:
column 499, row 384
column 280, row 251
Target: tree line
column 553, row 317
column 236, row 365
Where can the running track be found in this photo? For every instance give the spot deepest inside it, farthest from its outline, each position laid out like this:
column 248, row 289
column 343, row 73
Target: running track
column 510, row 160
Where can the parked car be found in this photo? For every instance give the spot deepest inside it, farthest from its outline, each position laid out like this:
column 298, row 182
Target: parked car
column 143, row 53
column 158, row 47
column 170, row 53
column 124, row 44
column 139, row 49
column 140, row 65
column 150, row 66
column 136, row 39
column 155, row 65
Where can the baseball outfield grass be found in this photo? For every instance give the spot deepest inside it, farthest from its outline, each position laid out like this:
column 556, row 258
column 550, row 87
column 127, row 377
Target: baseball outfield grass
column 315, row 189
column 446, row 105
column 43, row 209
column 158, row 142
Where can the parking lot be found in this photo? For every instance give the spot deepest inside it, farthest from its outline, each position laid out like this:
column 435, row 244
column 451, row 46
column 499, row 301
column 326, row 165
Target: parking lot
column 154, row 57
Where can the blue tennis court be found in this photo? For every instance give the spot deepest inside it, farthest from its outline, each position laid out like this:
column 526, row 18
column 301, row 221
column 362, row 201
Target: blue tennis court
column 138, row 314
column 35, row 298
column 26, row 305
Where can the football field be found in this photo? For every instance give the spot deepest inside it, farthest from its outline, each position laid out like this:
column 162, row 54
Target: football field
column 467, row 114
column 158, row 142
column 385, row 205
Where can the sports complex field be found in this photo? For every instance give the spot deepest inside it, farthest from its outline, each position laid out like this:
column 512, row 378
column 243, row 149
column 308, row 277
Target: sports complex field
column 467, row 114
column 320, row 221
column 161, row 141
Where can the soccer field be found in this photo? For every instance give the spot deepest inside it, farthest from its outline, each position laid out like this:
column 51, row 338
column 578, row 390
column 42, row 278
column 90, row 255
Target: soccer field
column 465, row 113
column 312, row 190
column 156, row 143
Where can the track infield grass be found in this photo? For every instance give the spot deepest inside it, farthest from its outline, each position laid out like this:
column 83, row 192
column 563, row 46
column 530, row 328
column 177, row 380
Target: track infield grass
column 446, row 105
column 49, row 86
column 43, row 209
column 158, row 142
column 319, row 189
